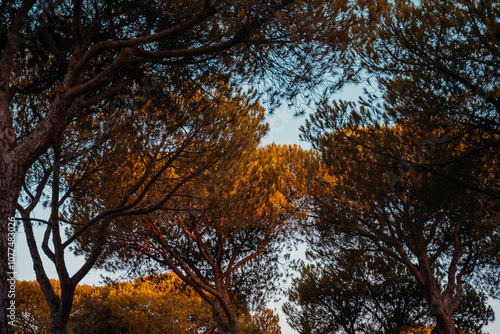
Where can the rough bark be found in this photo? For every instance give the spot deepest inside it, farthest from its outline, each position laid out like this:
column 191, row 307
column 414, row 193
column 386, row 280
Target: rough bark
column 444, row 324
column 225, row 316
column 10, row 186
column 6, row 211
column 441, row 305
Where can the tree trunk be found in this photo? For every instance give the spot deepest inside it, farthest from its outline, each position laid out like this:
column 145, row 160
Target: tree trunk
column 441, row 311
column 225, row 318
column 58, row 325
column 444, row 324
column 59, row 314
column 59, row 322
column 7, row 290
column 439, row 306
column 10, row 186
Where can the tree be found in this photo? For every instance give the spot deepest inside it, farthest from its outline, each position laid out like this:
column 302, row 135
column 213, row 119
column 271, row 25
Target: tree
column 160, row 304
column 32, row 309
column 153, row 153
column 437, row 229
column 262, row 322
column 437, row 61
column 349, row 291
column 155, row 304
column 221, row 236
column 61, row 61
column 431, row 140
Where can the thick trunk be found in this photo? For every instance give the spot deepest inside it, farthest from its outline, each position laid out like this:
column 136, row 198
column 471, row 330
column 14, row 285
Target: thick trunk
column 59, row 321
column 444, row 324
column 439, row 305
column 10, row 186
column 226, row 317
column 7, row 284
column 442, row 312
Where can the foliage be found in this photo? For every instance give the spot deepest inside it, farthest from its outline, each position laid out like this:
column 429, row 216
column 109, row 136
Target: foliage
column 440, row 232
column 349, row 291
column 353, row 293
column 131, row 124
column 32, row 310
column 141, row 159
column 149, row 305
column 70, row 72
column 412, row 167
column 264, row 321
column 434, row 64
column 222, row 234
column 156, row 304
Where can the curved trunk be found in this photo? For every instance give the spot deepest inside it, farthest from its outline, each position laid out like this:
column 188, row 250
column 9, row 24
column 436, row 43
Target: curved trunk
column 10, row 187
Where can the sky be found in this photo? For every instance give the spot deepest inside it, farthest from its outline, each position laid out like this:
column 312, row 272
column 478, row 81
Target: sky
column 284, row 129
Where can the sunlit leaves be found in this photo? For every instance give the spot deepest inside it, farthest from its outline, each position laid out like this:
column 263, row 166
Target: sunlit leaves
column 152, row 305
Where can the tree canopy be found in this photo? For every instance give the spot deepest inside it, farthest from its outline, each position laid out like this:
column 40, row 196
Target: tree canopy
column 153, row 154
column 436, row 63
column 151, row 305
column 64, row 63
column 413, row 164
column 222, row 234
column 136, row 125
column 437, row 229
column 353, row 293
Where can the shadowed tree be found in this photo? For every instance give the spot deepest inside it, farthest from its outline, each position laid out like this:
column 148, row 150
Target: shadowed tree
column 350, row 292
column 416, row 160
column 155, row 152
column 225, row 235
column 444, row 234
